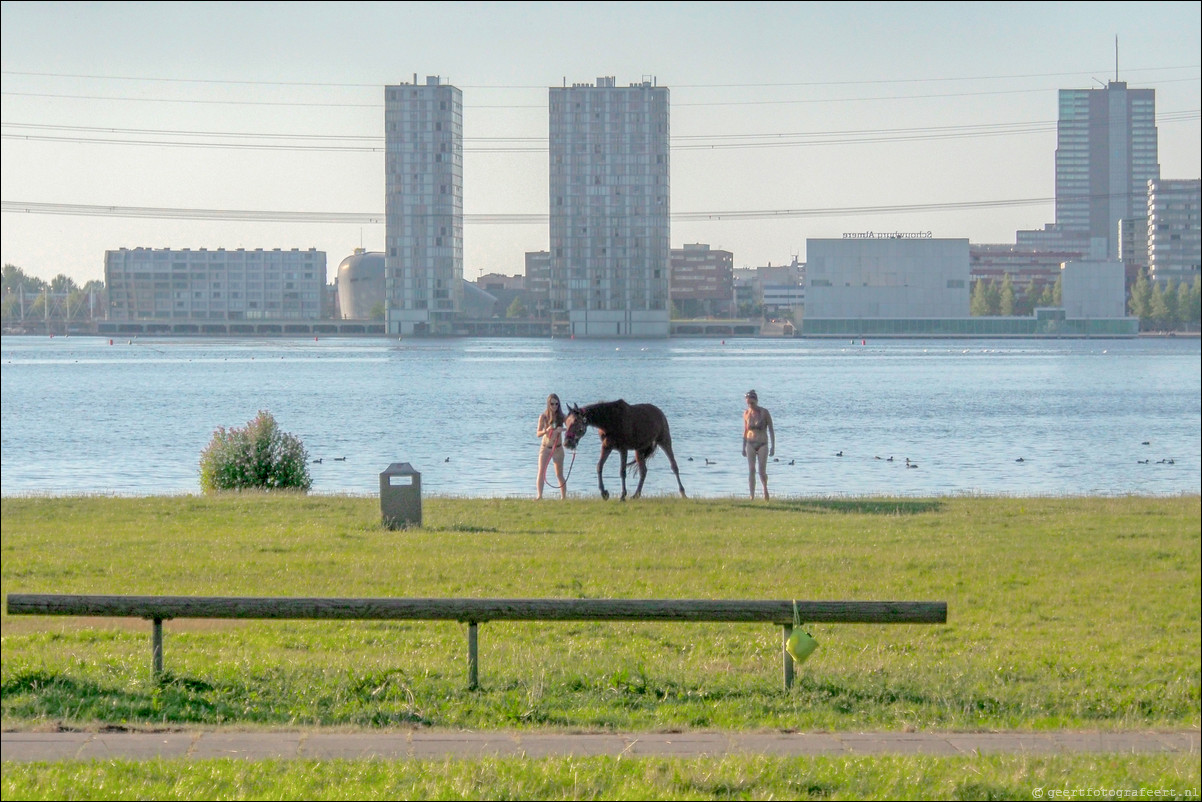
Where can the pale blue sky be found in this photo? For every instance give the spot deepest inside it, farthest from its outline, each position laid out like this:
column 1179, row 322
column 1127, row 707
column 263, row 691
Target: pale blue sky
column 780, row 108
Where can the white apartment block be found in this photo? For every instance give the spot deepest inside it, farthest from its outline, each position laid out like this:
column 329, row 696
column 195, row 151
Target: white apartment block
column 1173, row 230
column 200, row 285
column 423, row 205
column 609, row 208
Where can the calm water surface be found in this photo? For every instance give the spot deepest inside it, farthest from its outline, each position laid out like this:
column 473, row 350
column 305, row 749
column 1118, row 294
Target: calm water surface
column 86, row 415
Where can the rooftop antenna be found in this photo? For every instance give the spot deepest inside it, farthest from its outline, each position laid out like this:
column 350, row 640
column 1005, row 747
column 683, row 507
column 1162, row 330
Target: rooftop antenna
column 1116, row 58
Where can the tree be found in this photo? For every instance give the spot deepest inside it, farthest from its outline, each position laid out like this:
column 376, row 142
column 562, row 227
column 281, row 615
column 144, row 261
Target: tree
column 1173, row 305
column 1158, row 310
column 1195, row 303
column 1057, row 292
column 1141, row 297
column 15, row 281
column 63, row 283
column 1006, row 297
column 517, row 308
column 978, row 306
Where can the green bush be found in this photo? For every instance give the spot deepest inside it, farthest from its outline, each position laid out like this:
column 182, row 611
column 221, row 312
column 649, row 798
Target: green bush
column 259, row 456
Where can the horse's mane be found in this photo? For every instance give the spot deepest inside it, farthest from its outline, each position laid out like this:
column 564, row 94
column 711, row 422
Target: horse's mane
column 603, row 414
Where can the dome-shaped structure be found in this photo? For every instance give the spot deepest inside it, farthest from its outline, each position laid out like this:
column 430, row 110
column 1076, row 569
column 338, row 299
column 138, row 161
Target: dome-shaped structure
column 360, row 283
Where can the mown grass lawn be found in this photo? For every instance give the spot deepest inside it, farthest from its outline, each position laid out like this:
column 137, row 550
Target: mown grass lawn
column 1062, row 613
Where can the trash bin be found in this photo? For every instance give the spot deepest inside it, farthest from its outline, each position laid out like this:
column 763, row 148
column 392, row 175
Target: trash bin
column 401, row 496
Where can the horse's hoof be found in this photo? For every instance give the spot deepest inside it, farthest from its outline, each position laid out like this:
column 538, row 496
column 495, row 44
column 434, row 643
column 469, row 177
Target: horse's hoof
column 605, row 495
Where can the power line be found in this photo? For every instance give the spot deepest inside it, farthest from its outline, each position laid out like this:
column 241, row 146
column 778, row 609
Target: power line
column 871, row 81
column 380, row 105
column 370, row 218
column 538, row 144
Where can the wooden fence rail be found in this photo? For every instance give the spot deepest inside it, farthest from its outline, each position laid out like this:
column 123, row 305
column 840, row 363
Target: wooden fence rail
column 476, row 611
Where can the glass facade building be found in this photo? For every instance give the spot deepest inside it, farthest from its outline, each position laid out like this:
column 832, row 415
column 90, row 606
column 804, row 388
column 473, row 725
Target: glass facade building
column 609, row 209
column 423, row 206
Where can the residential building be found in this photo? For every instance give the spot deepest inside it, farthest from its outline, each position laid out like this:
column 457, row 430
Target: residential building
column 1028, row 267
column 1173, row 230
column 702, row 281
column 215, row 285
column 782, row 288
column 1133, row 247
column 538, row 281
column 609, row 208
column 423, row 206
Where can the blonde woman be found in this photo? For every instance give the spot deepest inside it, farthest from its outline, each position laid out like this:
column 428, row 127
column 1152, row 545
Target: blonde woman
column 759, row 441
column 550, row 447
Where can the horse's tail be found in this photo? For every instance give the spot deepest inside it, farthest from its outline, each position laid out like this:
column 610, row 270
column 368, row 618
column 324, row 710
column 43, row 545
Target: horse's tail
column 645, row 453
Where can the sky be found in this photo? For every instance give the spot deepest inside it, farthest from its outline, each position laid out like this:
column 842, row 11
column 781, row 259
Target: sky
column 260, row 125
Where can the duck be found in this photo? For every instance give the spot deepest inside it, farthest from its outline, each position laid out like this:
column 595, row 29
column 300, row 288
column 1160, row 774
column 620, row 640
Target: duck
column 317, row 461
column 1020, row 459
column 911, row 464
column 838, row 453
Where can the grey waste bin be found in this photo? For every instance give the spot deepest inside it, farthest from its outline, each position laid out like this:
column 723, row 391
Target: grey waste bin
column 401, row 496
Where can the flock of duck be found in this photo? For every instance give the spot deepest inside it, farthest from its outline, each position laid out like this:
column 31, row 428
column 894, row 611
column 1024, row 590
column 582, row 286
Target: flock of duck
column 911, row 464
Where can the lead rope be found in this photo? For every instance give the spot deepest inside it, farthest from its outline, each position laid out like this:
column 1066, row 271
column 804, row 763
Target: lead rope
column 566, row 477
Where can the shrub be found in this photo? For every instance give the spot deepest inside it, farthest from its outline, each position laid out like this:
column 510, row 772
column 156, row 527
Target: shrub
column 257, row 456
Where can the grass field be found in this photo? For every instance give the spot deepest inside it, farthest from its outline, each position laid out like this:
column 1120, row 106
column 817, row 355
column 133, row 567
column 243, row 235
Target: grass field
column 1062, row 613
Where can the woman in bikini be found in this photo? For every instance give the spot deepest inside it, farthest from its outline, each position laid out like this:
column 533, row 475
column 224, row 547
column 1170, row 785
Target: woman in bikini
column 550, row 432
column 759, row 441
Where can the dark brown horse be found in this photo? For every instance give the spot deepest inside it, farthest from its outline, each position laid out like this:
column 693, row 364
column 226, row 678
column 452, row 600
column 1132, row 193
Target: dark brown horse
column 623, row 427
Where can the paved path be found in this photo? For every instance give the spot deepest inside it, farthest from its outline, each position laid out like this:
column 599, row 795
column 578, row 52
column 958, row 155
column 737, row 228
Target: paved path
column 202, row 744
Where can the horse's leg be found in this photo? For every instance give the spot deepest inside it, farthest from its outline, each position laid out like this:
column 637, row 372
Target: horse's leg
column 622, row 451
column 666, row 445
column 641, row 461
column 600, row 466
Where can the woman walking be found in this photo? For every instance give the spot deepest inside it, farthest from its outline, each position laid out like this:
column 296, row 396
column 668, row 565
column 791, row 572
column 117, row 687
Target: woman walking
column 759, row 441
column 550, row 432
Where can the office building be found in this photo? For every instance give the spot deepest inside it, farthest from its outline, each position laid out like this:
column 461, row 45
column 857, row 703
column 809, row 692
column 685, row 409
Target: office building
column 609, row 209
column 1173, row 230
column 423, row 205
column 702, row 281
column 538, row 281
column 202, row 285
column 1106, row 152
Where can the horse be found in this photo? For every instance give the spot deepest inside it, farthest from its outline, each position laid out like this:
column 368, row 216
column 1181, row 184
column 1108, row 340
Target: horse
column 623, row 427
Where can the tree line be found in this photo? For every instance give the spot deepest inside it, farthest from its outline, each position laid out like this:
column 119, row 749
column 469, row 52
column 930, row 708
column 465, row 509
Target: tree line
column 25, row 297
column 1169, row 306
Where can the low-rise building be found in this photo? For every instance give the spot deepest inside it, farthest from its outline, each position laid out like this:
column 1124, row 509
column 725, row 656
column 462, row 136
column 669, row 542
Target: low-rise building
column 216, row 285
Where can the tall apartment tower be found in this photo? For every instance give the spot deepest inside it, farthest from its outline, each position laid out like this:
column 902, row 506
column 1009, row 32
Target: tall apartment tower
column 609, row 209
column 423, row 204
column 1106, row 152
column 1174, row 236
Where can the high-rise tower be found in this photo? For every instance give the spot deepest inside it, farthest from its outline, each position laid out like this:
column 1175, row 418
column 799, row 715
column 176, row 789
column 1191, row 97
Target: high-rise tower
column 609, row 209
column 423, row 204
column 1106, row 152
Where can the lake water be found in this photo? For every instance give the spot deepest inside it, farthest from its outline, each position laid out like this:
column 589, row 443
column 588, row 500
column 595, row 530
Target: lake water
column 89, row 415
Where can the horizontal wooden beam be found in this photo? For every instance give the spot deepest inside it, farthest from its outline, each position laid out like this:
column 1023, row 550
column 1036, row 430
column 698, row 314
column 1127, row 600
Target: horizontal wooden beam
column 480, row 610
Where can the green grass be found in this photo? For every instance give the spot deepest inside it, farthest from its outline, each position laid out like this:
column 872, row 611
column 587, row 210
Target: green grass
column 1062, row 613
column 745, row 777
